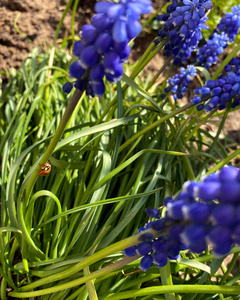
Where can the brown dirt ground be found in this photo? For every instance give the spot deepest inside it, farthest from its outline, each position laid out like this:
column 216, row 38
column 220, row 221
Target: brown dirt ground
column 37, row 20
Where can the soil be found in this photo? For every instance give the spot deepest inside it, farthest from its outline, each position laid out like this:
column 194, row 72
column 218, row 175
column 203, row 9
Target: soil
column 30, row 23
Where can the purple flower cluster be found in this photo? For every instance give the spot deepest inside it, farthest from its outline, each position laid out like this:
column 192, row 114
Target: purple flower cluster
column 219, row 92
column 230, row 24
column 208, row 54
column 103, row 47
column 179, row 83
column 204, row 213
column 184, row 21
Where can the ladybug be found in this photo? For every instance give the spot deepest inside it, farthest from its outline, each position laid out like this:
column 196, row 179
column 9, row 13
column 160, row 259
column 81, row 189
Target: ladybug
column 45, row 170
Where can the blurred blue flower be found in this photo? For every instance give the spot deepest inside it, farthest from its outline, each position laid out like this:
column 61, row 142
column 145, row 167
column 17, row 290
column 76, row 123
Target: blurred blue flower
column 67, row 87
column 103, row 47
column 204, row 213
column 179, row 83
column 230, row 24
column 219, row 92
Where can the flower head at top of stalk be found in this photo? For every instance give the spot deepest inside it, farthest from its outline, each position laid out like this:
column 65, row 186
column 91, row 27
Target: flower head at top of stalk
column 208, row 54
column 178, row 84
column 103, row 47
column 230, row 24
column 204, row 213
column 181, row 33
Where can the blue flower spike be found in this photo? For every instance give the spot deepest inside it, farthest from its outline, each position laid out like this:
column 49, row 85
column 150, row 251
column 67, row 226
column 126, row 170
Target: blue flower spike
column 103, row 47
column 204, row 213
column 178, row 84
column 218, row 93
column 184, row 21
column 208, row 54
column 230, row 24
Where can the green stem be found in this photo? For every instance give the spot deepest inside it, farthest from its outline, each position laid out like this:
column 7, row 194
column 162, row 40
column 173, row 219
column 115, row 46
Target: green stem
column 213, row 146
column 137, row 68
column 63, row 123
column 229, row 269
column 61, row 21
column 119, row 246
column 147, row 57
column 29, row 183
column 90, row 285
column 202, row 259
column 191, row 288
column 75, row 5
column 151, row 83
column 166, row 279
column 224, row 161
column 182, row 288
column 76, row 282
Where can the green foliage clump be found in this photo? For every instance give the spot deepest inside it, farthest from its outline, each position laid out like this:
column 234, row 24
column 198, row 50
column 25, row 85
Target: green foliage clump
column 62, row 235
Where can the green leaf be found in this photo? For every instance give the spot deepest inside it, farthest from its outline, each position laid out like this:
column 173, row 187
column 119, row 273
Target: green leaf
column 205, row 73
column 194, row 264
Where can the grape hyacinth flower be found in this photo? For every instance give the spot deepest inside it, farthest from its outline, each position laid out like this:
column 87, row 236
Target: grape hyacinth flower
column 230, row 24
column 179, row 83
column 103, row 47
column 204, row 213
column 207, row 55
column 184, row 21
column 219, row 92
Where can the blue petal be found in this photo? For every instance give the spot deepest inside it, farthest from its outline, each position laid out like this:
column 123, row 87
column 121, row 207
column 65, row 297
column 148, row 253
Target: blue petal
column 118, row 71
column 183, row 30
column 119, row 31
column 160, row 259
column 124, row 53
column 98, row 88
column 104, row 42
column 133, row 11
column 209, row 191
column 201, row 12
column 144, row 248
column 89, row 56
column 89, row 33
column 194, row 233
column 103, row 6
column 195, row 16
column 77, row 48
column 144, row 5
column 67, row 87
column 131, row 251
column 101, row 22
column 76, row 70
column 146, row 263
column 207, row 5
column 133, row 28
column 97, row 72
column 110, row 60
column 115, row 11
